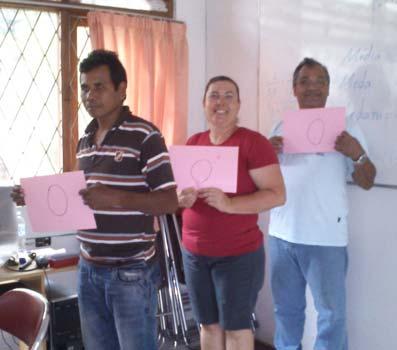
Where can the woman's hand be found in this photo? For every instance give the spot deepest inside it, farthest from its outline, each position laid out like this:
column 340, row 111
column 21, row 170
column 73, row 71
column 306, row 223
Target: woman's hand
column 187, row 197
column 216, row 198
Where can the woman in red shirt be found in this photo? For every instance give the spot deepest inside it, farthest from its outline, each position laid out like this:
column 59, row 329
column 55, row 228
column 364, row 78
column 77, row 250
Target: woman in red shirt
column 223, row 251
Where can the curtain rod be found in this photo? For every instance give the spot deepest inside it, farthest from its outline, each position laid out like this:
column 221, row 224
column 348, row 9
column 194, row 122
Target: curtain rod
column 86, row 7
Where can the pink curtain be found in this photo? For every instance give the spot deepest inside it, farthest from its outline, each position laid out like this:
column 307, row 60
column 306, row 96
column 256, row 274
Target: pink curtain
column 155, row 55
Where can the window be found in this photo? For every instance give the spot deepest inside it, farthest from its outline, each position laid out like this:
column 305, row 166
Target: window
column 41, row 117
column 29, row 92
column 32, row 91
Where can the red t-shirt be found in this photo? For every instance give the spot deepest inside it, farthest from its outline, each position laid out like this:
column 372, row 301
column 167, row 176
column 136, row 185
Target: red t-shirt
column 209, row 232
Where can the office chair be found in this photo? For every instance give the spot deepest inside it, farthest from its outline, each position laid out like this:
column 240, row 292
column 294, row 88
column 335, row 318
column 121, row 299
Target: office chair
column 25, row 315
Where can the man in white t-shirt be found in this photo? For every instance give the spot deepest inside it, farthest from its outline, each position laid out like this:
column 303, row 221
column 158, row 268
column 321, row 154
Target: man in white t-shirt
column 308, row 235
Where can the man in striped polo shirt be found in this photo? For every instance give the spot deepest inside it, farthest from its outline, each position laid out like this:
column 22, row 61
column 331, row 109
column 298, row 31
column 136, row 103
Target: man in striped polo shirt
column 129, row 180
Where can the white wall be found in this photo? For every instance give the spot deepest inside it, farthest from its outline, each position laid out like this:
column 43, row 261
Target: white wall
column 232, row 48
column 192, row 12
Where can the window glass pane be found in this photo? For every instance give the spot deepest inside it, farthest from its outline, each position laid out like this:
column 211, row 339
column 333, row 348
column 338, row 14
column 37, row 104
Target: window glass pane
column 30, row 118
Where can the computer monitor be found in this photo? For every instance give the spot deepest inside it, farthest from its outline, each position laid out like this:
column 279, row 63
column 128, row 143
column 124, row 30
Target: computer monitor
column 8, row 225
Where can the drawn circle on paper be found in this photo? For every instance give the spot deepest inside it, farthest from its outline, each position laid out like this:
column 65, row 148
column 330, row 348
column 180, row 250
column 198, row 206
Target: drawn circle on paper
column 200, row 171
column 57, row 200
column 315, row 131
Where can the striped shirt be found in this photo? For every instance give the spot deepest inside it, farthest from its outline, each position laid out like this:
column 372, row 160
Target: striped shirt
column 132, row 157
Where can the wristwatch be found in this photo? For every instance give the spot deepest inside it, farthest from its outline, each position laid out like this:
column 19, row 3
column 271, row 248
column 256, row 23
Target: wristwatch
column 361, row 160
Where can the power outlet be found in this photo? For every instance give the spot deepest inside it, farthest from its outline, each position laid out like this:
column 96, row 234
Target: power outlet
column 43, row 242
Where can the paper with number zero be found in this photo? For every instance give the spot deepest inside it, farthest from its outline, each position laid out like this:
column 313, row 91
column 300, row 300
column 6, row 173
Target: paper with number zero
column 205, row 166
column 312, row 130
column 54, row 205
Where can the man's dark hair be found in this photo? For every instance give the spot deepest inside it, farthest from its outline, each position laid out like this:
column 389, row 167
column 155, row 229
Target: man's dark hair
column 221, row 78
column 309, row 62
column 107, row 58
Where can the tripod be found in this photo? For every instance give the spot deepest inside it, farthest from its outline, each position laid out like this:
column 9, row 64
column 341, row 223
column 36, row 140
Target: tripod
column 176, row 322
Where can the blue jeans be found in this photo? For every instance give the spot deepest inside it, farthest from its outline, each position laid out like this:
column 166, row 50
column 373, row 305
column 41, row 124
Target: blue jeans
column 118, row 306
column 292, row 266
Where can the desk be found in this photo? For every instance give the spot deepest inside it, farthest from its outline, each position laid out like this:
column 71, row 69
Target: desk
column 34, row 280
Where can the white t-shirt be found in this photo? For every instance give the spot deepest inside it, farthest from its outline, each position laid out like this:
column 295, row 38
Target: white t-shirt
column 316, row 209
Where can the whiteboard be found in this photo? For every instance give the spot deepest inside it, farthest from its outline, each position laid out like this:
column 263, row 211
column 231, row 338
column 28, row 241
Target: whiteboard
column 357, row 41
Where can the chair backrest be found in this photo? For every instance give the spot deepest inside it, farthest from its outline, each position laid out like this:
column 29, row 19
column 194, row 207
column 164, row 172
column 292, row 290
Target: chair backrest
column 25, row 315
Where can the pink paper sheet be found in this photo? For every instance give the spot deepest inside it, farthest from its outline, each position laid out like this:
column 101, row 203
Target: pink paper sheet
column 312, row 130
column 54, row 205
column 205, row 166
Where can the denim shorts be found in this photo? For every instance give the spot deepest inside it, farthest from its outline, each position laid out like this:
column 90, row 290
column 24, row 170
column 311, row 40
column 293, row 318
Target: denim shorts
column 224, row 290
